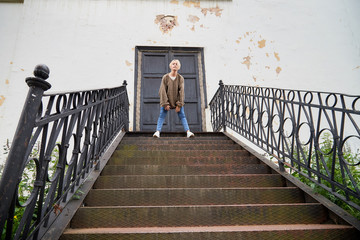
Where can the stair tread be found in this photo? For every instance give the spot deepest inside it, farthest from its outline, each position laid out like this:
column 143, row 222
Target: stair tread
column 246, row 228
column 207, row 206
column 195, row 188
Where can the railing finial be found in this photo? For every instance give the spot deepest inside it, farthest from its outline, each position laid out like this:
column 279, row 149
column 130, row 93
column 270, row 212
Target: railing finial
column 221, row 83
column 125, row 83
column 41, row 73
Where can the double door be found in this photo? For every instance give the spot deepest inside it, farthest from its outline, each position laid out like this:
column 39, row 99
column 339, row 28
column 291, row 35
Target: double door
column 154, row 64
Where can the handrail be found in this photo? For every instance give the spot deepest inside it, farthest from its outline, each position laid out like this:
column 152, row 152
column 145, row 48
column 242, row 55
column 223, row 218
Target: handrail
column 291, row 126
column 76, row 127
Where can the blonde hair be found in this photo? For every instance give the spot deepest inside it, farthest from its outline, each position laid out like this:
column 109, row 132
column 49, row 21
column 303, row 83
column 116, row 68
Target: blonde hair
column 175, row 60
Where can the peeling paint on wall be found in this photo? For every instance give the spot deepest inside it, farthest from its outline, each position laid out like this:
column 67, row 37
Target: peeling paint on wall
column 128, row 63
column 166, row 22
column 261, row 43
column 189, row 3
column 247, row 61
column 2, row 100
column 358, row 67
column 193, row 18
column 277, row 56
column 261, row 61
column 217, row 11
column 278, row 70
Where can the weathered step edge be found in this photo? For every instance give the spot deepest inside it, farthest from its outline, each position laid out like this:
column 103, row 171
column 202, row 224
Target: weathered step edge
column 270, row 232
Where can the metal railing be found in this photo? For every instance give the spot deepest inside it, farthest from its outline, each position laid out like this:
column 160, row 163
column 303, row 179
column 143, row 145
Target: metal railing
column 294, row 126
column 62, row 137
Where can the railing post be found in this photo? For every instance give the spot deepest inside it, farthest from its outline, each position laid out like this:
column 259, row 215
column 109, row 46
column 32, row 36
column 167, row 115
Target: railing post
column 127, row 108
column 222, row 97
column 15, row 160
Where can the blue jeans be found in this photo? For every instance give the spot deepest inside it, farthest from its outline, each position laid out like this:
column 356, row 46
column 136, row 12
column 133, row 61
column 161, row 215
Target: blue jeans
column 162, row 117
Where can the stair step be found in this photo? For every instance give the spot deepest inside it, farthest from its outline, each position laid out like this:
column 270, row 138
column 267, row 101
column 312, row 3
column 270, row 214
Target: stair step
column 189, row 181
column 203, row 215
column 161, row 141
column 189, row 146
column 119, row 159
column 183, row 153
column 179, row 135
column 185, row 169
column 192, row 196
column 269, row 232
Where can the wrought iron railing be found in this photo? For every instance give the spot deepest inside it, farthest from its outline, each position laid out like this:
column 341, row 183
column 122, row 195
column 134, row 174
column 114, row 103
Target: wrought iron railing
column 62, row 137
column 293, row 127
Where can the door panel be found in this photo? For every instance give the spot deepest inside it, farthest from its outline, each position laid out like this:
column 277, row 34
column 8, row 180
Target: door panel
column 190, row 88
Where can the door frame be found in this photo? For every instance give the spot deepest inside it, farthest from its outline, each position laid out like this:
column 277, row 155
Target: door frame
column 138, row 75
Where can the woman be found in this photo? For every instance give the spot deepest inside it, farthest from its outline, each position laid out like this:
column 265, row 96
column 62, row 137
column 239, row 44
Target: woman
column 172, row 96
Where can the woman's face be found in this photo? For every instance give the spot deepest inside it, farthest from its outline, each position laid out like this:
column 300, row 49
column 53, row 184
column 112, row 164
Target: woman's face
column 174, row 65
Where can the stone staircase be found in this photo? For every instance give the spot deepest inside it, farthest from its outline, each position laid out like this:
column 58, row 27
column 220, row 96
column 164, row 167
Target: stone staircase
column 206, row 187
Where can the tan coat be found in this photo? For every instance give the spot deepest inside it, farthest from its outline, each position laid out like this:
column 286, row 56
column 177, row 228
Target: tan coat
column 171, row 92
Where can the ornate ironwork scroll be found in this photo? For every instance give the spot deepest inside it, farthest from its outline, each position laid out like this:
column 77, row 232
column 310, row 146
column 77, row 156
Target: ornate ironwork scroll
column 61, row 137
column 313, row 133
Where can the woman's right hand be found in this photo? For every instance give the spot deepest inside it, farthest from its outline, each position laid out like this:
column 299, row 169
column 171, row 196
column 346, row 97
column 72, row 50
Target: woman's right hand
column 167, row 107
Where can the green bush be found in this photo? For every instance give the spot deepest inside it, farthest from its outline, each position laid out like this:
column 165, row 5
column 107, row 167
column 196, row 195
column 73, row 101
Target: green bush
column 326, row 153
column 26, row 184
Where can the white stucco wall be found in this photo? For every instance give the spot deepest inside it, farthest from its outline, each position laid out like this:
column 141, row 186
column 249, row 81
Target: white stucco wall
column 87, row 44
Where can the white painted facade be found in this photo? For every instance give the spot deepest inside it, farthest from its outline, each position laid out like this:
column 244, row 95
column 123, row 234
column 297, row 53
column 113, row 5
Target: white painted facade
column 89, row 44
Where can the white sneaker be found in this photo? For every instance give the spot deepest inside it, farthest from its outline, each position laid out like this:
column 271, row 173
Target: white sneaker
column 189, row 134
column 156, row 134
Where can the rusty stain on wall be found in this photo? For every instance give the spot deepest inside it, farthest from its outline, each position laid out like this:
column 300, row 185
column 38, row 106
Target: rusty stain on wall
column 358, row 67
column 261, row 43
column 195, row 3
column 247, row 61
column 166, row 22
column 277, row 56
column 217, row 11
column 7, row 81
column 174, row 1
column 2, row 99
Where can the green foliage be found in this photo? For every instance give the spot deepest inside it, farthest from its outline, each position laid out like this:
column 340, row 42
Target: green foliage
column 322, row 160
column 26, row 184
